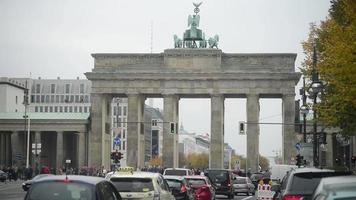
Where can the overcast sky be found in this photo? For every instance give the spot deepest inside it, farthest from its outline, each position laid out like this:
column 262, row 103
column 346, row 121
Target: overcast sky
column 55, row 38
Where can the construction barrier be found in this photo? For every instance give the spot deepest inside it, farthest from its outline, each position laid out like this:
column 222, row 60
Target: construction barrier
column 264, row 192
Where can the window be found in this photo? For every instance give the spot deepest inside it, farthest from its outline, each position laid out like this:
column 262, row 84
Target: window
column 124, row 122
column 81, row 98
column 47, row 98
column 70, row 109
column 67, row 88
column 56, row 109
column 76, row 98
column 36, row 109
column 38, row 88
column 81, row 88
column 66, row 109
column 115, row 110
column 123, row 133
column 50, row 109
column 53, row 88
column 41, row 109
column 46, row 108
column 125, row 110
column 86, row 99
column 71, row 98
column 123, row 145
column 154, row 122
column 75, row 109
column 16, row 99
column 119, row 110
column 52, row 98
column 119, row 122
column 85, row 109
column 32, row 98
column 61, row 109
column 80, row 109
column 62, row 98
column 42, row 98
column 38, row 98
column 57, row 98
column 66, row 99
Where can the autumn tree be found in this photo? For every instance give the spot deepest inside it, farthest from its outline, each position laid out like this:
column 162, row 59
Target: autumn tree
column 335, row 43
column 196, row 160
column 156, row 161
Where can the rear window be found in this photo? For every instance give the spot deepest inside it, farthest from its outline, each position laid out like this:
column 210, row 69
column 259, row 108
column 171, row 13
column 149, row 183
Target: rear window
column 132, row 184
column 197, row 182
column 305, row 183
column 175, row 172
column 61, row 190
column 218, row 176
column 174, row 183
column 240, row 181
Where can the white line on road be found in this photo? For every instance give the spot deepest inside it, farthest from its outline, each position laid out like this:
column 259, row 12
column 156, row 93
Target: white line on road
column 247, row 198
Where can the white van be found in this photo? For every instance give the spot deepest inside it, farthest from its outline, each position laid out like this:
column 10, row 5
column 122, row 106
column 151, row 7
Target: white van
column 279, row 171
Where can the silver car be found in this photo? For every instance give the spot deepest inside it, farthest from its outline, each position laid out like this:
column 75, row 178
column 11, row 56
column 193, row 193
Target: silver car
column 243, row 185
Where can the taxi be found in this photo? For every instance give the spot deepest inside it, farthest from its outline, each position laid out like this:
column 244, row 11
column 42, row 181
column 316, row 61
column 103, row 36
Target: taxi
column 139, row 185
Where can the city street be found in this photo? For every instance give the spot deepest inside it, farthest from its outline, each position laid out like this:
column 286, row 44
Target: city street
column 13, row 191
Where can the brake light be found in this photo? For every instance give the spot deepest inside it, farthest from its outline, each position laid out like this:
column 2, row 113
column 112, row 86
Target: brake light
column 183, row 188
column 229, row 183
column 291, row 197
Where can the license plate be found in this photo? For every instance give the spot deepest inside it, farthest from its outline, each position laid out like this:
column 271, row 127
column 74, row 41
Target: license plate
column 218, row 184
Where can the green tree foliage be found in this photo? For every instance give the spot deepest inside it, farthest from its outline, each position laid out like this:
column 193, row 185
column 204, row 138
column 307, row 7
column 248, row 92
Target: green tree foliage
column 335, row 41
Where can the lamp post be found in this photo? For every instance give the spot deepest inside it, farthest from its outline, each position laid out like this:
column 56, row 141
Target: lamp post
column 304, row 109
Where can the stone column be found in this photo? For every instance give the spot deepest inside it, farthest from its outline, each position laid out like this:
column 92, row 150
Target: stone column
column 134, row 156
column 14, row 146
column 253, row 132
column 329, row 150
column 2, row 148
column 170, row 146
column 288, row 132
column 216, row 159
column 37, row 141
column 81, row 149
column 59, row 150
column 97, row 151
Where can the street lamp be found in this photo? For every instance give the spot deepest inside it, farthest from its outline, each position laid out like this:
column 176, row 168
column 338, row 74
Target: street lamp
column 304, row 109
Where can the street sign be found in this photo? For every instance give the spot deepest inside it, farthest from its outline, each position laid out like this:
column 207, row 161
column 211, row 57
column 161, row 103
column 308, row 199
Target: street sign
column 117, row 141
column 298, row 146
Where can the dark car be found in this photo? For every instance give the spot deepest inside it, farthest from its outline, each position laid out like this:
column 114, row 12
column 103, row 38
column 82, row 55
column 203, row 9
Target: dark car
column 180, row 187
column 72, row 187
column 243, row 185
column 3, row 176
column 203, row 188
column 27, row 184
column 222, row 180
column 300, row 183
column 256, row 177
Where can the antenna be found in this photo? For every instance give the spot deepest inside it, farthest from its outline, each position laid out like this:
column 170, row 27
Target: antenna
column 151, row 37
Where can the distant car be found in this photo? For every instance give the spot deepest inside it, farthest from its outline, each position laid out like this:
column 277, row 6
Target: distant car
column 140, row 185
column 243, row 185
column 27, row 184
column 178, row 172
column 301, row 182
column 3, row 176
column 203, row 188
column 279, row 171
column 222, row 180
column 333, row 188
column 180, row 187
column 64, row 187
column 256, row 177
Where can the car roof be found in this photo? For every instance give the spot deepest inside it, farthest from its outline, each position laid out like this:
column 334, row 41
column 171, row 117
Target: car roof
column 177, row 169
column 77, row 178
column 135, row 174
column 219, row 170
column 173, row 177
column 310, row 169
column 196, row 177
column 338, row 180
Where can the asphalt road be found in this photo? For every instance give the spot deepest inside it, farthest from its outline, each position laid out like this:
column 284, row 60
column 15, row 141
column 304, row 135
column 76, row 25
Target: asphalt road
column 13, row 191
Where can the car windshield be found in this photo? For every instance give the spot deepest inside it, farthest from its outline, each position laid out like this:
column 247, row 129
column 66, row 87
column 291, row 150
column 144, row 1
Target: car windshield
column 306, row 183
column 173, row 183
column 218, row 176
column 61, row 191
column 132, row 184
column 175, row 172
column 196, row 182
column 240, row 181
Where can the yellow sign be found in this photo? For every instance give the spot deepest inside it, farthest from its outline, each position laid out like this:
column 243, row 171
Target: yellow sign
column 125, row 169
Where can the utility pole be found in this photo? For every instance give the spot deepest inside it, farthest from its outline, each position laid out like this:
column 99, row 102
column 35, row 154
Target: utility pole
column 27, row 118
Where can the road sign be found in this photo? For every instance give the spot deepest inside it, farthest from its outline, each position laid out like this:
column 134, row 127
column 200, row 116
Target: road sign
column 298, row 146
column 117, row 141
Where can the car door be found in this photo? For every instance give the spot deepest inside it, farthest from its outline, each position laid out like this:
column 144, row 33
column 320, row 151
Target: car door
column 165, row 192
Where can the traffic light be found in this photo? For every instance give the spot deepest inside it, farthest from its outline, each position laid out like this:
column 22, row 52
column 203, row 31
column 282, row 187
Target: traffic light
column 172, row 127
column 300, row 160
column 242, row 128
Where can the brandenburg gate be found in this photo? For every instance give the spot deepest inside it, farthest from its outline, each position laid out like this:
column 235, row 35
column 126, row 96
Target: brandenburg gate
column 190, row 70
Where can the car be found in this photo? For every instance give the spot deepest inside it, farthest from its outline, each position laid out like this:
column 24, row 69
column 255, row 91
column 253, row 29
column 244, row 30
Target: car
column 178, row 172
column 203, row 188
column 256, row 177
column 332, row 188
column 279, row 171
column 180, row 187
column 3, row 176
column 301, row 182
column 140, row 185
column 222, row 180
column 243, row 185
column 63, row 187
column 27, row 184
